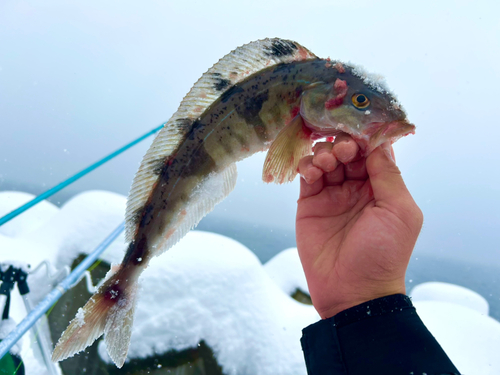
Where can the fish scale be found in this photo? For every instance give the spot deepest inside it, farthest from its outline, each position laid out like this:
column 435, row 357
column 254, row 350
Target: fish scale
column 270, row 94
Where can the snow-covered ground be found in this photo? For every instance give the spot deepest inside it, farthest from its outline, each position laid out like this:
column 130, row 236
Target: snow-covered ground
column 212, row 288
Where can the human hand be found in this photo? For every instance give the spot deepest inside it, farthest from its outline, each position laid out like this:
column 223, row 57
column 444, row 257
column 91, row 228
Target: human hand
column 356, row 225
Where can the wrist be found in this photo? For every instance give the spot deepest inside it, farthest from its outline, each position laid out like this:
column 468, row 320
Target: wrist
column 356, row 299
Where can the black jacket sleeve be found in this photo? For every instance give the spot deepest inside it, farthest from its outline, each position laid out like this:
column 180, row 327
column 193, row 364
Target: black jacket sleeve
column 382, row 336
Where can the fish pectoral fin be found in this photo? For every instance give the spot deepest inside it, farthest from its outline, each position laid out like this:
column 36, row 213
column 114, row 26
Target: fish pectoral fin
column 292, row 143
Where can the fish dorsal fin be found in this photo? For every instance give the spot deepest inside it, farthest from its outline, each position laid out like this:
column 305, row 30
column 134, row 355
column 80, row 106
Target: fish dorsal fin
column 232, row 69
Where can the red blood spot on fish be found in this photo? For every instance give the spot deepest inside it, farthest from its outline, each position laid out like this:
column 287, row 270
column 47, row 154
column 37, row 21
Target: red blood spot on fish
column 330, row 139
column 169, row 233
column 334, row 103
column 268, row 178
column 305, row 133
column 183, row 213
column 245, row 149
column 303, row 53
column 340, row 89
column 203, row 94
column 340, row 68
column 295, row 111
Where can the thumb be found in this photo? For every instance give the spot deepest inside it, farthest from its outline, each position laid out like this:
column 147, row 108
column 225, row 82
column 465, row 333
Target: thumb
column 385, row 178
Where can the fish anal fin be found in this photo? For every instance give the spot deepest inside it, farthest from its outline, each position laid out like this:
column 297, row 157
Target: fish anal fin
column 292, row 143
column 212, row 190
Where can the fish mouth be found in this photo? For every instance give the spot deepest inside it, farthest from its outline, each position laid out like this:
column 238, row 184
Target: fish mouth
column 377, row 133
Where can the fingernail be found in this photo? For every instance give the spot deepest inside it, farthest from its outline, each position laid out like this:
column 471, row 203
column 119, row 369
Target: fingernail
column 386, row 147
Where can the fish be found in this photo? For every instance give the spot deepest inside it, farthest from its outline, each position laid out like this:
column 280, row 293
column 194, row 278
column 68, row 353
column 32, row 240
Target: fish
column 271, row 94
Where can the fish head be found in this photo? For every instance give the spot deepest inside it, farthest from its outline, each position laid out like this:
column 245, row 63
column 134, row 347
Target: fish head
column 356, row 104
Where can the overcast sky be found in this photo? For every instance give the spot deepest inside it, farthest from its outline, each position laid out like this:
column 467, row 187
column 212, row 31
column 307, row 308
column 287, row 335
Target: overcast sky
column 80, row 79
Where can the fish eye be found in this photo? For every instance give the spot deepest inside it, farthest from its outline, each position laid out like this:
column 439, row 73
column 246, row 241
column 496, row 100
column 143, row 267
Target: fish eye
column 360, row 101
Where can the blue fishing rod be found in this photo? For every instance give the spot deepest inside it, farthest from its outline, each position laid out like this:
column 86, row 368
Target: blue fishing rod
column 62, row 185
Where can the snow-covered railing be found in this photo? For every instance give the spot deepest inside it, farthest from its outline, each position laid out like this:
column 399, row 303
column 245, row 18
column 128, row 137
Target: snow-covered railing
column 73, row 178
column 56, row 293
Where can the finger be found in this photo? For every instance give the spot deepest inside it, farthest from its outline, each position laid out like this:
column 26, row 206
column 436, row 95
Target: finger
column 356, row 170
column 323, row 157
column 386, row 181
column 345, row 148
column 335, row 177
column 308, row 171
column 308, row 190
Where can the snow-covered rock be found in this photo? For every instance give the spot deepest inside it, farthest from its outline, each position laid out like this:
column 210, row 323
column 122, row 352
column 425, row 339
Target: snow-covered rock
column 212, row 288
column 445, row 292
column 286, row 271
column 470, row 339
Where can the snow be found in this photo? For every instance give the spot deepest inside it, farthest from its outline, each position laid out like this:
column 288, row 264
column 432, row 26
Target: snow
column 215, row 289
column 376, row 81
column 470, row 339
column 212, row 288
column 29, row 220
column 445, row 292
column 6, row 326
column 286, row 271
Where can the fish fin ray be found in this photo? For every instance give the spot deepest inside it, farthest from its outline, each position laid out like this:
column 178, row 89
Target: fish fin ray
column 118, row 330
column 218, row 185
column 78, row 336
column 221, row 77
column 282, row 160
column 98, row 316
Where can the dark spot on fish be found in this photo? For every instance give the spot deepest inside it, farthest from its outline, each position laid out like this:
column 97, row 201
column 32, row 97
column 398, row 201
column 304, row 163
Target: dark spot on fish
column 147, row 215
column 199, row 163
column 113, row 293
column 157, row 166
column 196, row 127
column 252, row 106
column 230, row 92
column 221, row 84
column 141, row 250
column 184, row 123
column 136, row 252
column 280, row 48
column 249, row 111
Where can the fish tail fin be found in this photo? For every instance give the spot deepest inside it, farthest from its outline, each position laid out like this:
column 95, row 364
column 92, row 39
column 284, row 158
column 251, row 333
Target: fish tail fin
column 110, row 311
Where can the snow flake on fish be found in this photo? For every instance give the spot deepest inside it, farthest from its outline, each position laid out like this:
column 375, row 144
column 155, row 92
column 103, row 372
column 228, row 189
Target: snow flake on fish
column 375, row 81
column 80, row 317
